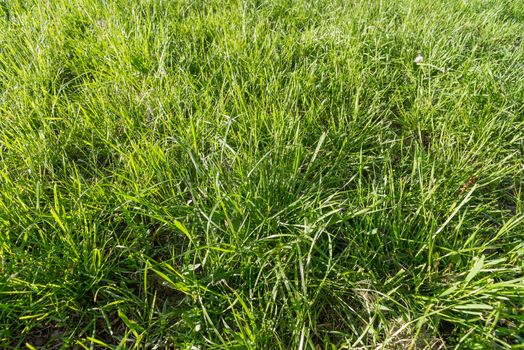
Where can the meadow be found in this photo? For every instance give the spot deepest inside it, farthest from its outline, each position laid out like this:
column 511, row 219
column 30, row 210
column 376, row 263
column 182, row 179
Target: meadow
column 266, row 174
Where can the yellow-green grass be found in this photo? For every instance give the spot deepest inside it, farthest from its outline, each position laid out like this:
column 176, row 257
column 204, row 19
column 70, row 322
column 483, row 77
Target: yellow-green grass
column 267, row 174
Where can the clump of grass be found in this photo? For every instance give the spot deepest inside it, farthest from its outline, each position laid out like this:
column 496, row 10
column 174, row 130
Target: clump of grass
column 265, row 174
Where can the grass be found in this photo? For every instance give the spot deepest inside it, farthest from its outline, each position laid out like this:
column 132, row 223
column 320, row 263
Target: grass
column 261, row 174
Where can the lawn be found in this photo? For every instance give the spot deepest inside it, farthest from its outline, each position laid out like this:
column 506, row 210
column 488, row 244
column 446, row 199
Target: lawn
column 266, row 174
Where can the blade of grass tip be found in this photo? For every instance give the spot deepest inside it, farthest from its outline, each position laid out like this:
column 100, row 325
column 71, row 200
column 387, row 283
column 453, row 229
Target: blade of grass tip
column 132, row 325
column 98, row 342
column 83, row 346
column 313, row 158
column 443, row 226
column 181, row 227
column 479, row 264
column 58, row 220
column 180, row 286
column 258, row 163
column 319, row 144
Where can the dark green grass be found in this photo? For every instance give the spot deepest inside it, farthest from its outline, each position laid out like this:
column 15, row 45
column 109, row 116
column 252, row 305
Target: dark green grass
column 261, row 174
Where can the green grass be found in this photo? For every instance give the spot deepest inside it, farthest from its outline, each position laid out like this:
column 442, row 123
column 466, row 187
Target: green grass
column 261, row 174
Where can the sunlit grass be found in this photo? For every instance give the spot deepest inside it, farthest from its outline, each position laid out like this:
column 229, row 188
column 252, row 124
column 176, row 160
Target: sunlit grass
column 261, row 175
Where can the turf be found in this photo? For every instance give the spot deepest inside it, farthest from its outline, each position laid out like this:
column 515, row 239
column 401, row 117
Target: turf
column 261, row 174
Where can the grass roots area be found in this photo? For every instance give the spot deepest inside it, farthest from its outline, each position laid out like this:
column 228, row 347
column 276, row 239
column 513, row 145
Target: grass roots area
column 266, row 174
